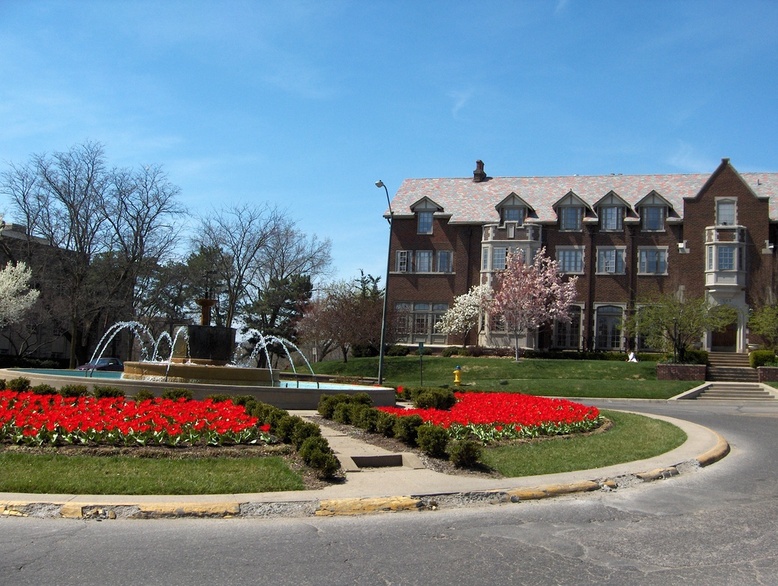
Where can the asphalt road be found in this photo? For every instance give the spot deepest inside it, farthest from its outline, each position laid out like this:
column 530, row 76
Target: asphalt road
column 714, row 526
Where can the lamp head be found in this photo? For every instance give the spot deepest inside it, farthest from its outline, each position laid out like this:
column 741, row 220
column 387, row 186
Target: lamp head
column 379, row 183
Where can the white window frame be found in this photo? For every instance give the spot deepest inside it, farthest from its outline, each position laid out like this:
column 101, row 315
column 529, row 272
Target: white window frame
column 660, row 257
column 729, row 217
column 444, row 261
column 403, row 260
column 423, row 261
column 610, row 260
column 645, row 217
column 515, row 214
column 570, row 218
column 499, row 256
column 726, row 258
column 424, row 222
column 611, row 218
column 578, row 252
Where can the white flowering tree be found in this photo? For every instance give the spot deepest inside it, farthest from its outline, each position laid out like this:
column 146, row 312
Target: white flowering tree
column 16, row 297
column 464, row 314
column 528, row 296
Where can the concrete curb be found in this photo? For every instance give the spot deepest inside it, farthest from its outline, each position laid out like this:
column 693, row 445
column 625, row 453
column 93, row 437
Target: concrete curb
column 97, row 508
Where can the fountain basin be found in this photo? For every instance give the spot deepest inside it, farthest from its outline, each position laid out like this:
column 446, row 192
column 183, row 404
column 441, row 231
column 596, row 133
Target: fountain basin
column 286, row 394
column 198, row 373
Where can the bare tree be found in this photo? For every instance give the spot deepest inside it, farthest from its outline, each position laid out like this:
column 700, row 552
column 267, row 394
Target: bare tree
column 103, row 227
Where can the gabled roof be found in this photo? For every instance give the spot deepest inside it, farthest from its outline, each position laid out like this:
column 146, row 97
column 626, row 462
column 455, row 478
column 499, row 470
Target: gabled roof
column 477, row 203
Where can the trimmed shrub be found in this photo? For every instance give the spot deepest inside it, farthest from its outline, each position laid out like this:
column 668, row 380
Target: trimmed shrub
column 44, row 390
column 692, row 356
column 303, row 431
column 366, row 418
column 176, row 394
column 398, row 350
column 285, row 427
column 317, row 454
column 144, row 395
column 20, row 385
column 405, row 428
column 432, row 440
column 464, row 453
column 219, row 398
column 360, row 399
column 101, row 392
column 442, row 399
column 74, row 391
column 327, row 404
column 385, row 423
column 759, row 358
column 342, row 413
column 3, row 384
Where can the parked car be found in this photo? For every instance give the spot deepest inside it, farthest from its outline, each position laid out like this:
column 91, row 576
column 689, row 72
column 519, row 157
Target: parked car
column 103, row 364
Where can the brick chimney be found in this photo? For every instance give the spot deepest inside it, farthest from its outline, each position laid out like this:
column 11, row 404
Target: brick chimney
column 479, row 174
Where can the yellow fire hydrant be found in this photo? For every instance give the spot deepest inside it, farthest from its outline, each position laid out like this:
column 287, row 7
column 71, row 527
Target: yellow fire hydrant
column 457, row 375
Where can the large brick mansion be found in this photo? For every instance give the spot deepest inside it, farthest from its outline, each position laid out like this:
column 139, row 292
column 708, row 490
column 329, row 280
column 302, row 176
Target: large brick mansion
column 627, row 237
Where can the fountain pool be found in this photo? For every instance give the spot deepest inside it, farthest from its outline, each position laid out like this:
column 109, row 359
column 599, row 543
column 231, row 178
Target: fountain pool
column 285, row 394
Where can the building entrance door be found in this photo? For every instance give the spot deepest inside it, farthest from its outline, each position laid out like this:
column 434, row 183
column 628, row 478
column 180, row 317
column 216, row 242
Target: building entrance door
column 725, row 341
column 609, row 327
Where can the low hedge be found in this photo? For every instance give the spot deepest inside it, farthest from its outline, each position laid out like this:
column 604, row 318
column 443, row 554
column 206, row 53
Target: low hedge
column 759, row 358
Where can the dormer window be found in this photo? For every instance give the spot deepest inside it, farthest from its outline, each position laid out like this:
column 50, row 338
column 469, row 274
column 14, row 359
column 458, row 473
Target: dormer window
column 570, row 218
column 653, row 218
column 424, row 225
column 514, row 214
column 611, row 218
column 725, row 212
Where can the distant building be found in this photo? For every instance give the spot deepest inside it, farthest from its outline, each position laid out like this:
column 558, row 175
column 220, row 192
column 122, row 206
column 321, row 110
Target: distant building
column 627, row 237
column 41, row 334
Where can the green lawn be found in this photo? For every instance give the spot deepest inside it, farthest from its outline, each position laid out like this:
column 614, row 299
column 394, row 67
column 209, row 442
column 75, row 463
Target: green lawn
column 561, row 378
column 633, row 437
column 61, row 474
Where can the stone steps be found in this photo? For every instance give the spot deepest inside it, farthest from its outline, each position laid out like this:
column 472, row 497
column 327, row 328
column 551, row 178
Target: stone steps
column 735, row 392
column 732, row 374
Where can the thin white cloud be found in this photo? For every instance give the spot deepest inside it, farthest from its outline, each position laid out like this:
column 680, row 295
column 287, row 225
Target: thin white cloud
column 460, row 99
column 688, row 159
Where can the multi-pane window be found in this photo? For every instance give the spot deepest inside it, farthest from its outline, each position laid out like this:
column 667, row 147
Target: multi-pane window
column 653, row 261
column 570, row 260
column 420, row 261
column 423, row 261
column 415, row 322
column 725, row 212
column 726, row 260
column 609, row 327
column 445, row 261
column 568, row 335
column 402, row 263
column 498, row 258
column 653, row 218
column 514, row 214
column 424, row 222
column 570, row 218
column 610, row 260
column 611, row 218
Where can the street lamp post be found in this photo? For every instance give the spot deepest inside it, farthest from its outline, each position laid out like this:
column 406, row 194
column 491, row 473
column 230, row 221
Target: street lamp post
column 381, row 350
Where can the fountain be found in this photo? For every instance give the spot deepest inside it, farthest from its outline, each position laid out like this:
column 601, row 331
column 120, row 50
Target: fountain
column 201, row 360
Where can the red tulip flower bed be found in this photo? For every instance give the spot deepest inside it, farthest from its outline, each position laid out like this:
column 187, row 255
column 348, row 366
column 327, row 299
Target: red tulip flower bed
column 31, row 419
column 504, row 416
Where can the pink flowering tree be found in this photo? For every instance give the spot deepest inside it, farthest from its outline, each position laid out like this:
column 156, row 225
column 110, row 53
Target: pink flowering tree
column 464, row 314
column 528, row 296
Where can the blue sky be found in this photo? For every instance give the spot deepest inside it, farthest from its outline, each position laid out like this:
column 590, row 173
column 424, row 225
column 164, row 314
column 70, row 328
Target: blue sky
column 305, row 104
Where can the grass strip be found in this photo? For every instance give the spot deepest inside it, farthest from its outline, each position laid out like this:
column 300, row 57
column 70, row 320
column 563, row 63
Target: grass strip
column 60, row 474
column 632, row 437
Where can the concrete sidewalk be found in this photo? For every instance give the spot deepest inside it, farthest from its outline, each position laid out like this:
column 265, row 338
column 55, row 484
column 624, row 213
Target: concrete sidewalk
column 409, row 486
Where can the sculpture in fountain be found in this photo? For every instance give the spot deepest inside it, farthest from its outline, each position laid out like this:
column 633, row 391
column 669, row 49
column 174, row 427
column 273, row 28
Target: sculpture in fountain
column 201, row 354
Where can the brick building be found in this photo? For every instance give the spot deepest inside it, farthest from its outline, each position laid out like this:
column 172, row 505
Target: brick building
column 627, row 237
